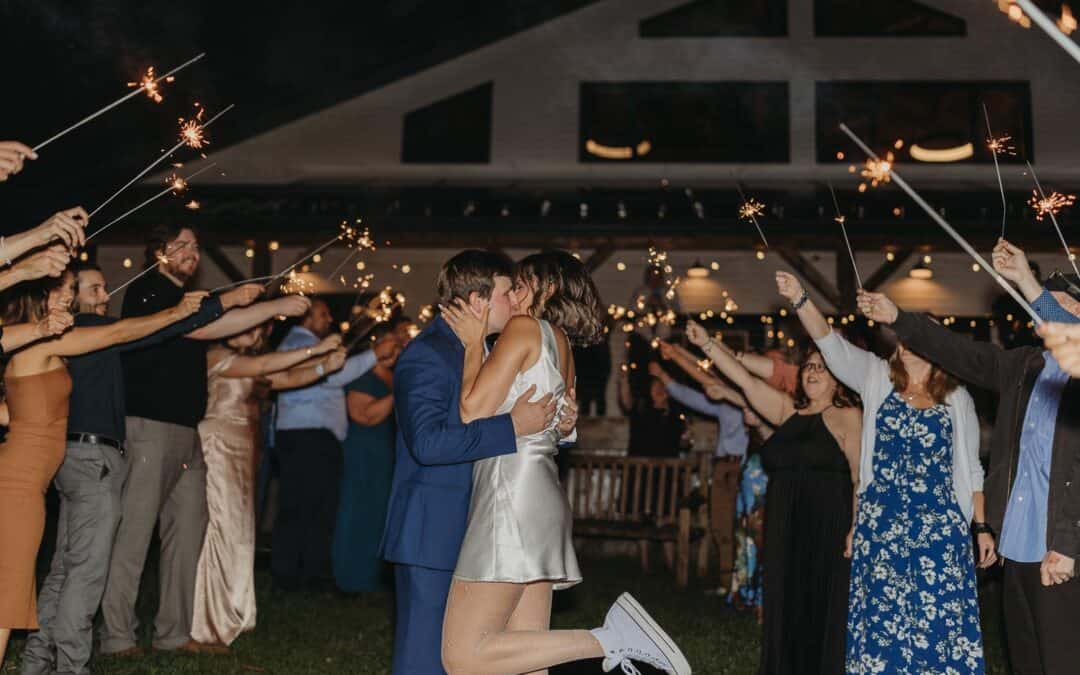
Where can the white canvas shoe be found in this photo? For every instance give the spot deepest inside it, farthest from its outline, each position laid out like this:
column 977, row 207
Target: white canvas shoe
column 630, row 634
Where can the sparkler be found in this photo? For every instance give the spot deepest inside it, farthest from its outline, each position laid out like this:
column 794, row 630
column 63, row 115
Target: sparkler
column 149, row 86
column 750, row 209
column 290, row 268
column 998, row 146
column 943, row 224
column 840, row 221
column 176, row 186
column 1048, row 26
column 355, row 238
column 1049, row 206
column 165, row 155
column 161, row 259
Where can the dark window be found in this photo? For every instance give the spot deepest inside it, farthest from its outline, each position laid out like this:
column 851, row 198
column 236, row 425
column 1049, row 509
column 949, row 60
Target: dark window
column 684, row 122
column 939, row 117
column 454, row 130
column 874, row 18
column 719, row 18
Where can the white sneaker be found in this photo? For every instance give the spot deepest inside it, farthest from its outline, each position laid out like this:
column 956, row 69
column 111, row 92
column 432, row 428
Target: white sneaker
column 629, row 633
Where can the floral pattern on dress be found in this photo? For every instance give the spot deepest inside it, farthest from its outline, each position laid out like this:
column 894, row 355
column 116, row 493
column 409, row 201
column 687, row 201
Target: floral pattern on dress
column 749, row 535
column 913, row 606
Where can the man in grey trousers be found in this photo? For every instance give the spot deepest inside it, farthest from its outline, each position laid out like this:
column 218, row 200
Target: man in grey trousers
column 91, row 479
column 165, row 393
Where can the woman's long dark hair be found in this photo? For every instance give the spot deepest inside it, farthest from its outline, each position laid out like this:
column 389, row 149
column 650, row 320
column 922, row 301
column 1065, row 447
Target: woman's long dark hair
column 842, row 397
column 29, row 302
column 565, row 295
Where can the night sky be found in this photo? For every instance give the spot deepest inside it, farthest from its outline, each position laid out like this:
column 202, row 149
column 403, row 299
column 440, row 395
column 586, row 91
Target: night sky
column 276, row 61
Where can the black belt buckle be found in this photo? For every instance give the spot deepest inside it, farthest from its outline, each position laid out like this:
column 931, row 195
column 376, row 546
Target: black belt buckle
column 94, row 439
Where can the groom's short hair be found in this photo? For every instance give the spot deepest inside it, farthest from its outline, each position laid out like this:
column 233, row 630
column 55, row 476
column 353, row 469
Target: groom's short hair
column 472, row 271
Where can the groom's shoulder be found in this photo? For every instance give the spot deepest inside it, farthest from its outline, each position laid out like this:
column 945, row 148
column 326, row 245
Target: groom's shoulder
column 427, row 345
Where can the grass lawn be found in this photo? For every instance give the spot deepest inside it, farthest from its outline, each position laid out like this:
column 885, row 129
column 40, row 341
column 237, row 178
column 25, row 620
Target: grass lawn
column 324, row 633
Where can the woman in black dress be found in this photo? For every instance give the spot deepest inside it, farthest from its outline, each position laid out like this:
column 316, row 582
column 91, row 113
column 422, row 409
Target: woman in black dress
column 812, row 460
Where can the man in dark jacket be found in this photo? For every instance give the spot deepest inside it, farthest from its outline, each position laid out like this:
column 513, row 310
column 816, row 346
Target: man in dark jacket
column 1033, row 486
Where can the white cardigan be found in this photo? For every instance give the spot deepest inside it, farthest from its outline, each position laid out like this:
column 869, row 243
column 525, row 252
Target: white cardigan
column 869, row 376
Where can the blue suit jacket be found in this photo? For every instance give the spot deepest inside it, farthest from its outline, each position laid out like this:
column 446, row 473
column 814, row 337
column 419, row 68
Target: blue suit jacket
column 429, row 498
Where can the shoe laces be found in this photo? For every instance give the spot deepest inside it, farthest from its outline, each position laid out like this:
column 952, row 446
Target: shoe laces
column 628, row 668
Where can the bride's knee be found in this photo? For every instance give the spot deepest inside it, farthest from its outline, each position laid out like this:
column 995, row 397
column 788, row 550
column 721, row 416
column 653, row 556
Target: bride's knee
column 458, row 659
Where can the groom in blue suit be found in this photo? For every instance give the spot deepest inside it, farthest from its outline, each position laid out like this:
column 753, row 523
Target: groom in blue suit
column 429, row 499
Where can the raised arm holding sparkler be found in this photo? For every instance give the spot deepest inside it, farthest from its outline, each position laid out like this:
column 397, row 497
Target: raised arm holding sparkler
column 67, row 226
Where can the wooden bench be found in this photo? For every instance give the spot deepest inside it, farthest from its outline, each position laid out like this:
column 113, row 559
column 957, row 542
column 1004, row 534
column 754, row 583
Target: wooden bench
column 641, row 499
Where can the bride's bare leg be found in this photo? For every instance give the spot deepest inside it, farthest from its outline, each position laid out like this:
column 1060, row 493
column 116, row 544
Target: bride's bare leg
column 476, row 640
column 5, row 634
column 533, row 612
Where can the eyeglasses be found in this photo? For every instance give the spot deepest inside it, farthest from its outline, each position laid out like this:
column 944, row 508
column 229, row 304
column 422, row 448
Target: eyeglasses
column 814, row 367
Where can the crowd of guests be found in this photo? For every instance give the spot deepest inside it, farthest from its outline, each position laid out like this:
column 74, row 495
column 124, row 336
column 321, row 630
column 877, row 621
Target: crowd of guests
column 858, row 507
column 152, row 421
column 849, row 504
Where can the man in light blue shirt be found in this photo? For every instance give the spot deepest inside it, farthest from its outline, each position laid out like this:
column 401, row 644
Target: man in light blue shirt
column 731, row 443
column 311, row 424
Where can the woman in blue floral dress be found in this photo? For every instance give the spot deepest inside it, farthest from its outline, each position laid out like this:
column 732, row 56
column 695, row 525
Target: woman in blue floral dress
column 914, row 607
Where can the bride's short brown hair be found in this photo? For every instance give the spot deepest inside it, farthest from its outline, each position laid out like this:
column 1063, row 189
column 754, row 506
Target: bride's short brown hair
column 565, row 295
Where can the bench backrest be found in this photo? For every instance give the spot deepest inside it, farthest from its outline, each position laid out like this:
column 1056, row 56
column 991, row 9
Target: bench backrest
column 604, row 487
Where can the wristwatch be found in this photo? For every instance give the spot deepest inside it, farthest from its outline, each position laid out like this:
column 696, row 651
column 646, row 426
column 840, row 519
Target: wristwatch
column 979, row 528
column 320, row 370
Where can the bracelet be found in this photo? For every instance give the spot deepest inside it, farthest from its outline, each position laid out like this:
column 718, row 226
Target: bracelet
column 797, row 305
column 980, row 528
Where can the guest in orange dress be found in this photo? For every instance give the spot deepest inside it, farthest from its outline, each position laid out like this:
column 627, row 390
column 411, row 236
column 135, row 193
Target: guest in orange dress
column 38, row 387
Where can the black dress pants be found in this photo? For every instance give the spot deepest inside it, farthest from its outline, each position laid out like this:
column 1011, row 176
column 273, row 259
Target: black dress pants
column 1042, row 623
column 311, row 463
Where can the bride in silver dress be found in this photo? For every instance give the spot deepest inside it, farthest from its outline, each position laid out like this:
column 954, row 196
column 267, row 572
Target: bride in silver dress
column 518, row 546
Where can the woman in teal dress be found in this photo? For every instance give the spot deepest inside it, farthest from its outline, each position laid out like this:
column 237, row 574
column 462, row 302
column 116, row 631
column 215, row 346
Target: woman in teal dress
column 365, row 482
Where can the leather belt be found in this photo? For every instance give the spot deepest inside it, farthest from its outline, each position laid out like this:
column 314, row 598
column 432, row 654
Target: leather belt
column 94, row 439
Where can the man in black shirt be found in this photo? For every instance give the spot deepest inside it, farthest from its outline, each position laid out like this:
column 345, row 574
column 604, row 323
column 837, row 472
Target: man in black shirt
column 165, row 394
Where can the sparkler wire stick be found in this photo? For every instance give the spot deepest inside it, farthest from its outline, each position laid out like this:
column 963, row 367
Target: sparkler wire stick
column 342, row 263
column 1050, row 28
column 307, row 255
column 997, row 169
column 165, row 155
column 936, row 217
column 171, row 188
column 240, row 283
column 840, row 219
column 753, row 218
column 138, row 90
column 1053, row 219
column 163, row 258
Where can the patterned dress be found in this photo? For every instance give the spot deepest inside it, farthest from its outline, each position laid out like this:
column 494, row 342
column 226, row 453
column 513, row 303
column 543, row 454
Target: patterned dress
column 749, row 535
column 913, row 604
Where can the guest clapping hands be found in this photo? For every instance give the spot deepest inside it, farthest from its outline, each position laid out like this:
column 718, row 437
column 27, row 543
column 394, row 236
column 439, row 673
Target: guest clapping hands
column 12, row 156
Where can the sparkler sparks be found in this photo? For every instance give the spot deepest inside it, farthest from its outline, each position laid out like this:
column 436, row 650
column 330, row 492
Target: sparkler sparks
column 149, row 83
column 192, row 132
column 751, row 209
column 1002, row 145
column 1049, row 205
column 296, row 285
column 877, row 171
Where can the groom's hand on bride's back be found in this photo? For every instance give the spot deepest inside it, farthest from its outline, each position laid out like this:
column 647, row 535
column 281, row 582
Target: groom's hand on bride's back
column 531, row 417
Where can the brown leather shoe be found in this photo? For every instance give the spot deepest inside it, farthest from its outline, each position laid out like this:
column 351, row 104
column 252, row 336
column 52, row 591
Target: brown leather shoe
column 195, row 647
column 127, row 653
